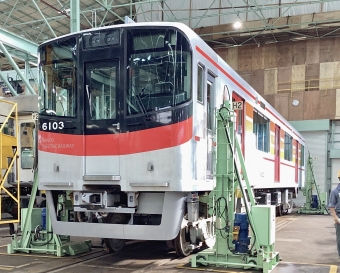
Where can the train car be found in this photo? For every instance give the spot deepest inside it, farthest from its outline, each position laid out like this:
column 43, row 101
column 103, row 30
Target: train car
column 22, row 170
column 127, row 134
column 27, row 107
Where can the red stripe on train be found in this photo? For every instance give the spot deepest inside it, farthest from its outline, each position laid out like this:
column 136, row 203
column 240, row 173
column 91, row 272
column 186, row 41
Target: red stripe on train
column 117, row 144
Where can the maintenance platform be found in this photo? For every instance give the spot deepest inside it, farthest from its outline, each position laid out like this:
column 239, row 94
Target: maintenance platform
column 306, row 243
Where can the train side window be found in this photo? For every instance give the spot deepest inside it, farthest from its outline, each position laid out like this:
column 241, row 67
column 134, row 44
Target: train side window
column 261, row 131
column 27, row 130
column 210, row 102
column 302, row 156
column 288, row 147
column 200, row 85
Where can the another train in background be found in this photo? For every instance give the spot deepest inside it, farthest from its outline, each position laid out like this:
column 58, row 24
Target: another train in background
column 127, row 132
column 27, row 108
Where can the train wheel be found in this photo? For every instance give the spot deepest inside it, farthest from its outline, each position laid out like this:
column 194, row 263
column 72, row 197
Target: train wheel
column 182, row 241
column 210, row 237
column 114, row 245
column 288, row 207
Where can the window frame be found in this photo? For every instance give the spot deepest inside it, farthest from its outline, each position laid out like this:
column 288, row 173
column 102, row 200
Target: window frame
column 288, row 147
column 200, row 84
column 264, row 143
column 302, row 155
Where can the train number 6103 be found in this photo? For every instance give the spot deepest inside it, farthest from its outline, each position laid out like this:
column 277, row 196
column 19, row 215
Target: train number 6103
column 53, row 125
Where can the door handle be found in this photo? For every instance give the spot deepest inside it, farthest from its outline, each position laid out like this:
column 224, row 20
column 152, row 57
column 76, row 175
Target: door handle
column 117, row 125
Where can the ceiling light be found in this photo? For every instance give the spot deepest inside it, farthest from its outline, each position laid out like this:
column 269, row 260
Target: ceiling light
column 299, row 38
column 237, row 25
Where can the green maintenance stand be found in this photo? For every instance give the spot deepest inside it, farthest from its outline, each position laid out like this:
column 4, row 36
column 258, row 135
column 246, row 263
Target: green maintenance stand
column 37, row 234
column 231, row 176
column 310, row 207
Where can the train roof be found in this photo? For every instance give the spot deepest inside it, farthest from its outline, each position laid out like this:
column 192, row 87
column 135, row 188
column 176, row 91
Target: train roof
column 180, row 26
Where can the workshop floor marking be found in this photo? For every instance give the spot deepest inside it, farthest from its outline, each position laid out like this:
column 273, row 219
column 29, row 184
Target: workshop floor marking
column 333, row 269
column 284, row 223
column 7, row 267
column 288, row 240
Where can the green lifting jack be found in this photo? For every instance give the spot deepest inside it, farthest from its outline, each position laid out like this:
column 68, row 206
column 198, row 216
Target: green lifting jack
column 258, row 252
column 315, row 203
column 37, row 234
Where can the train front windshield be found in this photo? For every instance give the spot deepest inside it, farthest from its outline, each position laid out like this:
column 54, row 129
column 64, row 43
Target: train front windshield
column 159, row 64
column 58, row 79
column 128, row 72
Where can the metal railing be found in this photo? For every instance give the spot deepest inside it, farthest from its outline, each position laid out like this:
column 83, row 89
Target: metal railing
column 9, row 149
column 308, row 85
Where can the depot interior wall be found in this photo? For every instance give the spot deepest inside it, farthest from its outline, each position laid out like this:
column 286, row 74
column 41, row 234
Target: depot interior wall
column 305, row 71
column 316, row 134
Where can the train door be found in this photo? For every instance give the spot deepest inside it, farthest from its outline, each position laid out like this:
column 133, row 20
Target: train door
column 277, row 154
column 200, row 119
column 102, row 119
column 301, row 165
column 296, row 161
column 238, row 106
column 210, row 124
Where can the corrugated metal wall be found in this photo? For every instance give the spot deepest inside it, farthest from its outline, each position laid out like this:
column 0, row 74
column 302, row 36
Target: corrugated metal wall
column 334, row 144
column 316, row 145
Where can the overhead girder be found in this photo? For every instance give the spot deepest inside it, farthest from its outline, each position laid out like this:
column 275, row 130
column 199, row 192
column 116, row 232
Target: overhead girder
column 20, row 48
column 11, row 46
column 45, row 23
column 16, row 68
column 170, row 10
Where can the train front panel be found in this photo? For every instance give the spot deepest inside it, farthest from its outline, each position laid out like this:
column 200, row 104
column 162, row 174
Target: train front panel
column 116, row 109
column 117, row 133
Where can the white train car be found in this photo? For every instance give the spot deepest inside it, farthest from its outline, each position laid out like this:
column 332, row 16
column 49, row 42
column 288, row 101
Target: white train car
column 127, row 132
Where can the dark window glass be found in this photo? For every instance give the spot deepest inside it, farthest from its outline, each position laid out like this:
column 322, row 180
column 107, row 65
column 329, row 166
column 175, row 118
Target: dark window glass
column 158, row 71
column 200, row 83
column 261, row 131
column 288, row 147
column 102, row 90
column 57, row 76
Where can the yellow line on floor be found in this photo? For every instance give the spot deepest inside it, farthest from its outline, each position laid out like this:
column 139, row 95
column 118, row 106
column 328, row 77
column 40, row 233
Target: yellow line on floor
column 330, row 265
column 333, row 269
column 6, row 268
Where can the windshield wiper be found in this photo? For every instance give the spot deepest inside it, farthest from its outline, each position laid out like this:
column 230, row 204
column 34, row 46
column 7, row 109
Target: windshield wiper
column 45, row 111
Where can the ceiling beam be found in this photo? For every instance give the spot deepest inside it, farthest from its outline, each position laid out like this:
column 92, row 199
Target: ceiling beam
column 16, row 43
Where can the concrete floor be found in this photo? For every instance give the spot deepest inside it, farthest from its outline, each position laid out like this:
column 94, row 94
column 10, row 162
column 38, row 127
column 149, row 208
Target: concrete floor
column 306, row 243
